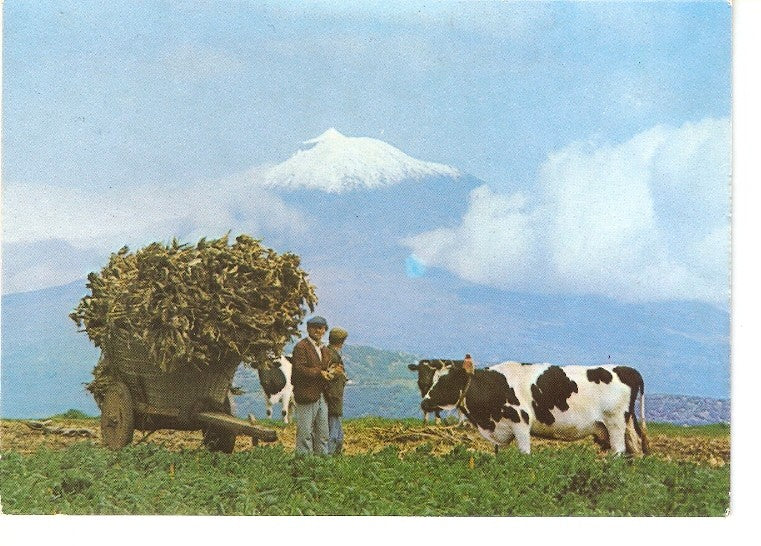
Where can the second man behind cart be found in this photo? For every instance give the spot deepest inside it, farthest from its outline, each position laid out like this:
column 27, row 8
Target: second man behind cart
column 334, row 391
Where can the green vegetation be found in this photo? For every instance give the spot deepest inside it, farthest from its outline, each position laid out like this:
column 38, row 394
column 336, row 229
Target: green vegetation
column 369, row 364
column 148, row 479
column 376, row 421
column 72, row 414
column 714, row 430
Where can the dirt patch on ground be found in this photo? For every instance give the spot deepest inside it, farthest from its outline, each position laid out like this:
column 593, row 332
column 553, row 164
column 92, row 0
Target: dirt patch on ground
column 19, row 437
column 705, row 450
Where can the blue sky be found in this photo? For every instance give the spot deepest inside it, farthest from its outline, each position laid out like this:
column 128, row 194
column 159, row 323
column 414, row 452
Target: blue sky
column 115, row 93
column 600, row 131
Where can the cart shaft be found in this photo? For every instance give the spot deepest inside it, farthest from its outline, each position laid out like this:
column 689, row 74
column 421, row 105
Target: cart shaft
column 237, row 426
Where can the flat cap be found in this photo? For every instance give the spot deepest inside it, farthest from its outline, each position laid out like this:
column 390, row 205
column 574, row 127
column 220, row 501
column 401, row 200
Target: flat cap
column 317, row 321
column 337, row 335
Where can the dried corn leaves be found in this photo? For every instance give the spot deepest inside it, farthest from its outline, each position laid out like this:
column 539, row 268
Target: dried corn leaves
column 196, row 305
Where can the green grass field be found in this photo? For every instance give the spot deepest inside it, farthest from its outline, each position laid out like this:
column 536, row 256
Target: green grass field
column 717, row 430
column 85, row 478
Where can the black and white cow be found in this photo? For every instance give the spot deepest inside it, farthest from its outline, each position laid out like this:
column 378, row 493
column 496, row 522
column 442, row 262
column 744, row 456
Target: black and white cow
column 276, row 384
column 515, row 400
column 425, row 371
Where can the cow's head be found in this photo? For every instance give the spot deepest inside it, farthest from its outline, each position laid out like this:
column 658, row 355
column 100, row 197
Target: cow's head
column 425, row 370
column 272, row 366
column 448, row 384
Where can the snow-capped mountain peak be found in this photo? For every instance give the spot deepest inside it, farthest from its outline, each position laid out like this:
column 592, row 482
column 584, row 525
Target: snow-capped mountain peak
column 330, row 134
column 335, row 163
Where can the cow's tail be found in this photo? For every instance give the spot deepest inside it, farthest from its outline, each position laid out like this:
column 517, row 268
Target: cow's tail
column 643, row 430
column 638, row 388
column 633, row 379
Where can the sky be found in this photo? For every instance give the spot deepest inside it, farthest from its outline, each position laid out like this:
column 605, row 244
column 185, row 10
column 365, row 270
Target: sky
column 579, row 118
column 150, row 92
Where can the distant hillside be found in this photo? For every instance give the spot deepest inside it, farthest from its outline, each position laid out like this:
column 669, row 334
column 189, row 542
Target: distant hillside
column 368, row 365
column 686, row 410
column 45, row 363
column 382, row 385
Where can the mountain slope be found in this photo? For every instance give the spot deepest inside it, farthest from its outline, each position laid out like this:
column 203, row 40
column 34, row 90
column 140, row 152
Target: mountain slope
column 680, row 348
column 45, row 361
column 362, row 196
column 353, row 204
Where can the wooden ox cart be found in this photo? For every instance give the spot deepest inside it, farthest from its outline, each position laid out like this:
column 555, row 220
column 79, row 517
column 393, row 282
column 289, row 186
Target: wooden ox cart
column 139, row 395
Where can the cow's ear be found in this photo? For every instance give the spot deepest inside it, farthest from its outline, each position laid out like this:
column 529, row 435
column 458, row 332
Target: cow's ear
column 413, row 367
column 468, row 365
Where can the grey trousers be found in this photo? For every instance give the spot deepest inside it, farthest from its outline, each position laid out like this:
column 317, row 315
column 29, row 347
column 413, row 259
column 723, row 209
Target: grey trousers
column 335, row 435
column 312, row 427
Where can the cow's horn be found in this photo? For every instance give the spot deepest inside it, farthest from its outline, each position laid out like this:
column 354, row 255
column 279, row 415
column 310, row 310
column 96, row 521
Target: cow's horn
column 467, row 364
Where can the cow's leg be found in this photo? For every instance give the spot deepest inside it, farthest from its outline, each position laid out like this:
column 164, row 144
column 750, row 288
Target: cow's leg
column 616, row 433
column 425, row 417
column 438, row 417
column 523, row 438
column 601, row 436
column 631, row 438
column 268, row 405
column 288, row 405
column 287, row 409
column 461, row 419
column 502, row 435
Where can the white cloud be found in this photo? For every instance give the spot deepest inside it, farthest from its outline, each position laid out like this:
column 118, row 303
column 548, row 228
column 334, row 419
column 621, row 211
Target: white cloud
column 73, row 223
column 28, row 266
column 494, row 245
column 36, row 212
column 644, row 220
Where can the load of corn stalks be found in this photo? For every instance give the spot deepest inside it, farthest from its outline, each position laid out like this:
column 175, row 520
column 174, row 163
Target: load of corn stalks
column 192, row 306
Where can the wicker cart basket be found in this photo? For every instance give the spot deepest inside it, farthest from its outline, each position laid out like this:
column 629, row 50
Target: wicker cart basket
column 142, row 396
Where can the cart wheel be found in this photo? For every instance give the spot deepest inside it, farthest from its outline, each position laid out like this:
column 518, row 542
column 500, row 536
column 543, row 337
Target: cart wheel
column 117, row 419
column 221, row 440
